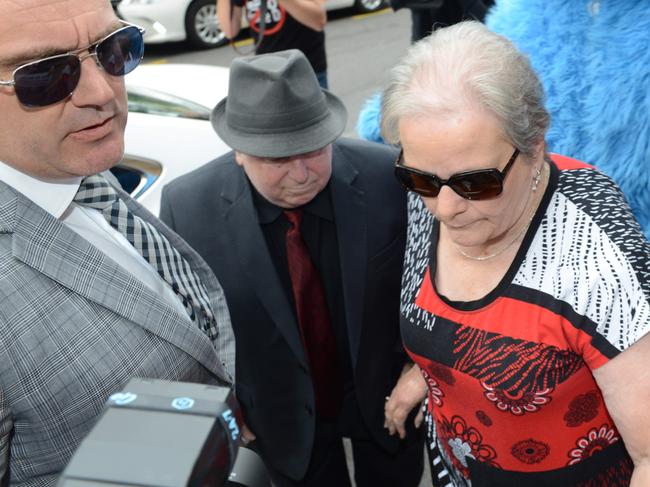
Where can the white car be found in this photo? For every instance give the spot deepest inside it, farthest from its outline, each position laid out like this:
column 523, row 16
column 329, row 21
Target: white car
column 168, row 132
column 196, row 20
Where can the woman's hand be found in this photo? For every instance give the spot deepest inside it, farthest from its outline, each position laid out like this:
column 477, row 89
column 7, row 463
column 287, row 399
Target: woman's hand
column 409, row 392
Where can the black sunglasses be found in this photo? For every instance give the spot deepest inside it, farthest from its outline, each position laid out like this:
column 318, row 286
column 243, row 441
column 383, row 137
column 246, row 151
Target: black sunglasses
column 46, row 81
column 482, row 184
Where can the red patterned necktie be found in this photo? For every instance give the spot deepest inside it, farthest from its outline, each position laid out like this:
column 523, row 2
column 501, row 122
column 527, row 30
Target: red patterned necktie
column 314, row 321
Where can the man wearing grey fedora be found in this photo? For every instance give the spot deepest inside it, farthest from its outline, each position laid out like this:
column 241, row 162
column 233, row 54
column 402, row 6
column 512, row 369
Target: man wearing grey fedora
column 306, row 233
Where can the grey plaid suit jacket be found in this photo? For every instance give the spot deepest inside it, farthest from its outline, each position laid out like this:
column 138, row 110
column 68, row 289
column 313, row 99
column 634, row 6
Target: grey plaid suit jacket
column 74, row 327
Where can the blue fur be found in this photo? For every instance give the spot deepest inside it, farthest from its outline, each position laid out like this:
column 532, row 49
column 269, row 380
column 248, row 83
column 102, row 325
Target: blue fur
column 595, row 68
column 368, row 123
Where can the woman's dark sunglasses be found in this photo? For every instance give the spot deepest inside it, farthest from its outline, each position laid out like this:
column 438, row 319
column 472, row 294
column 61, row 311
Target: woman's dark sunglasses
column 482, row 184
column 50, row 80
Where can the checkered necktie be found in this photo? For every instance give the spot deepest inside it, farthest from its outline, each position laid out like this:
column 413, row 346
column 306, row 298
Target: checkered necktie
column 95, row 192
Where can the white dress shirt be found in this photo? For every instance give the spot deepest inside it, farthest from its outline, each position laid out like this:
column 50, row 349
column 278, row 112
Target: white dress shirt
column 56, row 197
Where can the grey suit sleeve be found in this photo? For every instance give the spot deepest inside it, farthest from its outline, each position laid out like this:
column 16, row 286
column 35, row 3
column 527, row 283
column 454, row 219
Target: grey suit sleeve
column 6, row 425
column 224, row 343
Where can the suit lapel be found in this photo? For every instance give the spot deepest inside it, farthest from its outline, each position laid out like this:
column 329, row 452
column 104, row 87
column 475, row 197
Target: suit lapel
column 351, row 227
column 50, row 247
column 250, row 246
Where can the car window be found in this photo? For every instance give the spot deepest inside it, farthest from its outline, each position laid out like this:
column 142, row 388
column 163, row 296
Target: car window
column 129, row 178
column 137, row 174
column 153, row 102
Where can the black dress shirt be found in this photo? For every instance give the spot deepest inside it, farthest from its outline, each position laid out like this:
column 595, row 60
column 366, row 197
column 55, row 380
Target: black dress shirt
column 318, row 229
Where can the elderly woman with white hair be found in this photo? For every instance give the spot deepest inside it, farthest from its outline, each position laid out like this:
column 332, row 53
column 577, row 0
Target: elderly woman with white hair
column 526, row 286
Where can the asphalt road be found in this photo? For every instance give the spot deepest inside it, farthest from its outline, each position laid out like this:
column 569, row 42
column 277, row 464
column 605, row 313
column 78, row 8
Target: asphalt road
column 361, row 49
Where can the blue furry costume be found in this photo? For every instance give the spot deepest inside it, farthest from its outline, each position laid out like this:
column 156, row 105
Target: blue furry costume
column 593, row 58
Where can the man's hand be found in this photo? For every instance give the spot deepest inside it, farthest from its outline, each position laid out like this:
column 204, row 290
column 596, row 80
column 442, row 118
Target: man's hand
column 409, row 392
column 246, row 434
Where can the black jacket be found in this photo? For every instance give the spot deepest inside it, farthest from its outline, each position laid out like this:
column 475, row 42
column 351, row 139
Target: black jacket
column 212, row 208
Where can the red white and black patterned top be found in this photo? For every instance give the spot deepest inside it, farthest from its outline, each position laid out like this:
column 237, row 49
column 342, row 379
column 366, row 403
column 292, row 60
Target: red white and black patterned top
column 512, row 399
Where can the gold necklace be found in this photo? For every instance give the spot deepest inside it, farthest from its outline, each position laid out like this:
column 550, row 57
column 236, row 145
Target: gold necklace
column 501, row 250
column 536, row 182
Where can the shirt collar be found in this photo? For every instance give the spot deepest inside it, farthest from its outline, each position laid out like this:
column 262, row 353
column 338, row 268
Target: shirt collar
column 53, row 195
column 267, row 212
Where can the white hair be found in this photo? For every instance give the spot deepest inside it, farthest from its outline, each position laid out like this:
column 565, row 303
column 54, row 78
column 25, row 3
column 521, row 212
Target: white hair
column 467, row 66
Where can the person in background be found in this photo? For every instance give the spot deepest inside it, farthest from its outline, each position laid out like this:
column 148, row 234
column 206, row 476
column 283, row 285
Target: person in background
column 287, row 24
column 526, row 286
column 306, row 232
column 94, row 290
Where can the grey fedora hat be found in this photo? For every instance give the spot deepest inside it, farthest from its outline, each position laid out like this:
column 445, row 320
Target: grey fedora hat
column 276, row 108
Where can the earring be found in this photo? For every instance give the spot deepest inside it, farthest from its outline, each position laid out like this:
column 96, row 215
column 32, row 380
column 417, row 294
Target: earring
column 538, row 177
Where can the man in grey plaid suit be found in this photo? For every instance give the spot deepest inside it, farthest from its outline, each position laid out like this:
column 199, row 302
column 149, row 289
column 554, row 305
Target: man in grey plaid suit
column 94, row 289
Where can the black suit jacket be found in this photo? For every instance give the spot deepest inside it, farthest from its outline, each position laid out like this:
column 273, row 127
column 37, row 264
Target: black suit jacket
column 212, row 208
